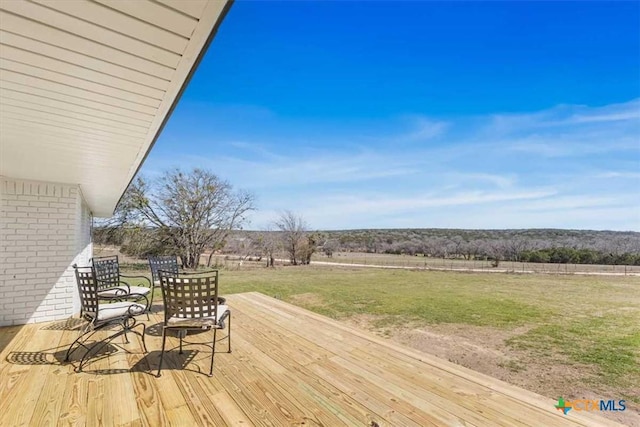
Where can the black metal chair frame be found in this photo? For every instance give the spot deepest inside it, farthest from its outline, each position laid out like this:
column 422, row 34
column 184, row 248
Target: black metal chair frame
column 107, row 271
column 191, row 302
column 168, row 263
column 88, row 288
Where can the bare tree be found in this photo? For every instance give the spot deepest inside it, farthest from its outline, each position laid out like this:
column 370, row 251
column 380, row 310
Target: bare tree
column 514, row 247
column 470, row 250
column 269, row 243
column 496, row 251
column 293, row 230
column 122, row 226
column 329, row 247
column 191, row 211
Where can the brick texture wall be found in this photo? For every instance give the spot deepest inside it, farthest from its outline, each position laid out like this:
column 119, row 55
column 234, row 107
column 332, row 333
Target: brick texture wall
column 44, row 229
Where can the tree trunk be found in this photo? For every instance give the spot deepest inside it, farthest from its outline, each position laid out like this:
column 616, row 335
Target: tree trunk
column 191, row 260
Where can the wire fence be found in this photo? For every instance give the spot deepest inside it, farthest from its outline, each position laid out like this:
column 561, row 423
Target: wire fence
column 233, row 261
column 408, row 261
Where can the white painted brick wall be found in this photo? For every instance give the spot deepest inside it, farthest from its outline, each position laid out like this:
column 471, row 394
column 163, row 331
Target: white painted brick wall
column 44, row 229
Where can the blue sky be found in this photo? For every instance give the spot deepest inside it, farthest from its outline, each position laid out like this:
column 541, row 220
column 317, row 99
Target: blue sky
column 420, row 114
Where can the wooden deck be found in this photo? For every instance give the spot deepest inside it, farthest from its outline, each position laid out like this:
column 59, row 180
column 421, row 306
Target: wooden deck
column 288, row 367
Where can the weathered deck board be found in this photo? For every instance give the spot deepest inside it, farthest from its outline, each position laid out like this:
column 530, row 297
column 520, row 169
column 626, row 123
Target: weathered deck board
column 288, row 367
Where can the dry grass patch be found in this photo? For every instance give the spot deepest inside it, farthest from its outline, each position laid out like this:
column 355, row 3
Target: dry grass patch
column 307, row 300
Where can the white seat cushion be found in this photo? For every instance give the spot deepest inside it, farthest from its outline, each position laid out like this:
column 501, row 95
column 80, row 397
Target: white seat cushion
column 118, row 292
column 119, row 309
column 198, row 322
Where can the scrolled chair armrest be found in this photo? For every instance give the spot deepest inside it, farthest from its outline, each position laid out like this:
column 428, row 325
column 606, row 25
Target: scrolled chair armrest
column 137, row 277
column 135, row 310
column 119, row 287
column 120, row 292
column 139, row 297
column 223, row 318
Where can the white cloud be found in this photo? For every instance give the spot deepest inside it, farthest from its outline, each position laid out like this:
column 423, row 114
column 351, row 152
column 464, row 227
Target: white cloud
column 424, row 129
column 535, row 209
column 330, row 210
column 500, row 181
column 550, row 168
column 609, row 113
column 565, row 115
column 619, row 174
column 259, row 150
column 573, row 203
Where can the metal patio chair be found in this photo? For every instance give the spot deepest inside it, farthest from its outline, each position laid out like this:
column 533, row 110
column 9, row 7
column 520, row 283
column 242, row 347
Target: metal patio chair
column 100, row 315
column 114, row 285
column 191, row 303
column 168, row 264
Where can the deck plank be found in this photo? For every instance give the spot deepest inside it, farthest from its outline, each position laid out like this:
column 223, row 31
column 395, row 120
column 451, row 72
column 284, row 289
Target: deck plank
column 516, row 400
column 27, row 378
column 289, row 366
column 233, row 415
column 448, row 408
column 48, row 407
column 288, row 379
column 375, row 405
column 392, row 398
column 8, row 334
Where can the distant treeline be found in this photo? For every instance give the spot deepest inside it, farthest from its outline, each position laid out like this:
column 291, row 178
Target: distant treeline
column 580, row 256
column 529, row 245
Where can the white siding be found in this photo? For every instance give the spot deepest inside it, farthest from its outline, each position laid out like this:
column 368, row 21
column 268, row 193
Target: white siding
column 44, row 229
column 85, row 86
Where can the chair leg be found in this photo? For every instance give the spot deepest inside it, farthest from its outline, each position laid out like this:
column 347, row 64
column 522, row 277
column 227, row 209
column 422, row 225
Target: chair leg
column 69, row 351
column 164, row 340
column 150, row 301
column 180, row 333
column 131, row 327
column 98, row 346
column 144, row 344
column 229, row 332
column 86, row 334
column 213, row 351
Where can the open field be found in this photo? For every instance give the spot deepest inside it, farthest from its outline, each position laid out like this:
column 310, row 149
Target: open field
column 558, row 335
column 461, row 264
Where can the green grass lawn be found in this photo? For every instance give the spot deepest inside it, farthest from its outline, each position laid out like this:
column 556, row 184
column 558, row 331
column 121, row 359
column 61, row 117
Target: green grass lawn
column 587, row 321
column 428, row 297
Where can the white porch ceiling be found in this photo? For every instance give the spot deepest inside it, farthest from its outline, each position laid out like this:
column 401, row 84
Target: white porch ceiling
column 86, row 86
